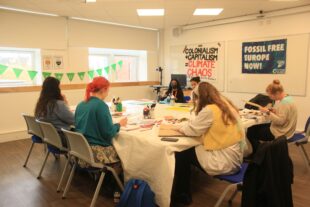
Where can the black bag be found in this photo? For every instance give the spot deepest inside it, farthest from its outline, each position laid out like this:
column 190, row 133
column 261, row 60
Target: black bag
column 259, row 99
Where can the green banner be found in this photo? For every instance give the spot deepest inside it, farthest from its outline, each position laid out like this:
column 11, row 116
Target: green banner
column 70, row 76
column 46, row 74
column 3, row 69
column 81, row 75
column 113, row 67
column 107, row 69
column 120, row 63
column 91, row 74
column 32, row 74
column 99, row 71
column 17, row 72
column 58, row 76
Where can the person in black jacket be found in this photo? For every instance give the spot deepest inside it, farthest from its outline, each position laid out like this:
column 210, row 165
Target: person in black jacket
column 175, row 90
column 267, row 181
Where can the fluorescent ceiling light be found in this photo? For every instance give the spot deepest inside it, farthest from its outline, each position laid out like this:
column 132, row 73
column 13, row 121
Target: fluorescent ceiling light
column 27, row 11
column 284, row 0
column 113, row 23
column 208, row 11
column 90, row 1
column 151, row 12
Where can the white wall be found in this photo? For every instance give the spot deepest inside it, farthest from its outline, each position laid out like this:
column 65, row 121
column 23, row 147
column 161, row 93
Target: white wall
column 70, row 38
column 277, row 26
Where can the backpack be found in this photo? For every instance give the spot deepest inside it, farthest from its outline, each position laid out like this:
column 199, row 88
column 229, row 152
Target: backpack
column 259, row 99
column 137, row 193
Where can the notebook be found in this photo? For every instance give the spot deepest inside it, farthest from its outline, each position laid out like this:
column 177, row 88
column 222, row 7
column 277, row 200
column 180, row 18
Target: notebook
column 166, row 130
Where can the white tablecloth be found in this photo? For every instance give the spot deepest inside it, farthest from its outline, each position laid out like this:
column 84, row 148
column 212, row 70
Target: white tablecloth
column 144, row 156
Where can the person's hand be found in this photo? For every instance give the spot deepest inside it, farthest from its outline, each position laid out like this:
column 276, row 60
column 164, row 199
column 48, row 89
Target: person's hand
column 65, row 98
column 264, row 110
column 123, row 122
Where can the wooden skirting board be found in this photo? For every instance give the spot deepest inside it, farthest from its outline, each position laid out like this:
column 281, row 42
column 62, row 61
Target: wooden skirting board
column 73, row 86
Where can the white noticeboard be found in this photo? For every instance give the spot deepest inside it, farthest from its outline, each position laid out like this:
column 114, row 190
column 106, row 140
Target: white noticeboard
column 205, row 60
column 294, row 80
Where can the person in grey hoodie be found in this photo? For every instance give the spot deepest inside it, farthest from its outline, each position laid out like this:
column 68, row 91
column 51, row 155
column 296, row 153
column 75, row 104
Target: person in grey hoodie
column 52, row 107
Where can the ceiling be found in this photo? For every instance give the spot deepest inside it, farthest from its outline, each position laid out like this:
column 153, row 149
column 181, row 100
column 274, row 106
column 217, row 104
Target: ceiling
column 177, row 12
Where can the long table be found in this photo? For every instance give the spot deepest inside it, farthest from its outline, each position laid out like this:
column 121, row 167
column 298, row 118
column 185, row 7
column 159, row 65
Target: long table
column 144, row 156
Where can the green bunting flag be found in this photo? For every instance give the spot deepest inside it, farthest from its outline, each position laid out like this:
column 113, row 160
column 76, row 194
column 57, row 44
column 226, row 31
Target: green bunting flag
column 107, row 69
column 99, row 71
column 120, row 63
column 91, row 74
column 58, row 76
column 3, row 69
column 81, row 75
column 46, row 74
column 70, row 76
column 17, row 72
column 32, row 74
column 113, row 66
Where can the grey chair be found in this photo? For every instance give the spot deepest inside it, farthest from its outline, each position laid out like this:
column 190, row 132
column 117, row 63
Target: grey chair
column 33, row 128
column 80, row 149
column 53, row 140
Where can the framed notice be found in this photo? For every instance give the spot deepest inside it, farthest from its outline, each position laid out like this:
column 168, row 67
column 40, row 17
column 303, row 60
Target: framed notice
column 47, row 63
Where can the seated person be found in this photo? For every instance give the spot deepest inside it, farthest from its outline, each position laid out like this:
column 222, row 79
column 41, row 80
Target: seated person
column 283, row 117
column 93, row 119
column 52, row 107
column 194, row 82
column 175, row 90
column 218, row 125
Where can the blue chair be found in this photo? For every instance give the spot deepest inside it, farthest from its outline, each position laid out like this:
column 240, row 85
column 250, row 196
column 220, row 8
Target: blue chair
column 33, row 129
column 235, row 181
column 53, row 141
column 187, row 98
column 300, row 139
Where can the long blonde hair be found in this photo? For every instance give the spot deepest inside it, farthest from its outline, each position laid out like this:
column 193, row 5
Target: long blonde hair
column 207, row 94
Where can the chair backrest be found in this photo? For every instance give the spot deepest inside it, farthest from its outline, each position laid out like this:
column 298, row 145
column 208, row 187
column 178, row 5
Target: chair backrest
column 32, row 126
column 50, row 134
column 307, row 124
column 78, row 146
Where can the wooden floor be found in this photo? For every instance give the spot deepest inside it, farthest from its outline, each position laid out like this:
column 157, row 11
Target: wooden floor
column 19, row 186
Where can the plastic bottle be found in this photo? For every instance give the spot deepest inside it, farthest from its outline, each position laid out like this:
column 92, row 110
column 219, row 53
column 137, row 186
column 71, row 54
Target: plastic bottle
column 172, row 100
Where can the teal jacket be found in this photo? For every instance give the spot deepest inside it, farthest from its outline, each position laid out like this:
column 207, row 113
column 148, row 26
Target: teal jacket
column 93, row 119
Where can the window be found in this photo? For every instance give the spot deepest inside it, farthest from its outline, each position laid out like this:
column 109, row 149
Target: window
column 129, row 65
column 20, row 62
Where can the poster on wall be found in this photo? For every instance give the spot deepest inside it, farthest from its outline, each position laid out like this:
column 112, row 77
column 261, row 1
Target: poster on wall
column 202, row 60
column 58, row 62
column 264, row 57
column 47, row 62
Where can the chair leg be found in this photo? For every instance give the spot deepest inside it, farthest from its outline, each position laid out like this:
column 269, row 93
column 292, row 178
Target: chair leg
column 45, row 159
column 63, row 175
column 304, row 155
column 119, row 182
column 30, row 150
column 69, row 181
column 93, row 202
column 220, row 200
column 232, row 197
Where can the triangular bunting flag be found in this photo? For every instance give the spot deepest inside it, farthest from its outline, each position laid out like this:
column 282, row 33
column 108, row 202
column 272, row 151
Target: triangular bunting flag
column 70, row 76
column 81, row 75
column 90, row 74
column 3, row 69
column 32, row 74
column 113, row 66
column 17, row 72
column 120, row 63
column 99, row 71
column 46, row 74
column 107, row 69
column 58, row 76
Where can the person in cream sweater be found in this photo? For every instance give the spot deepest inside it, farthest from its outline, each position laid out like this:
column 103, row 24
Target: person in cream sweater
column 218, row 125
